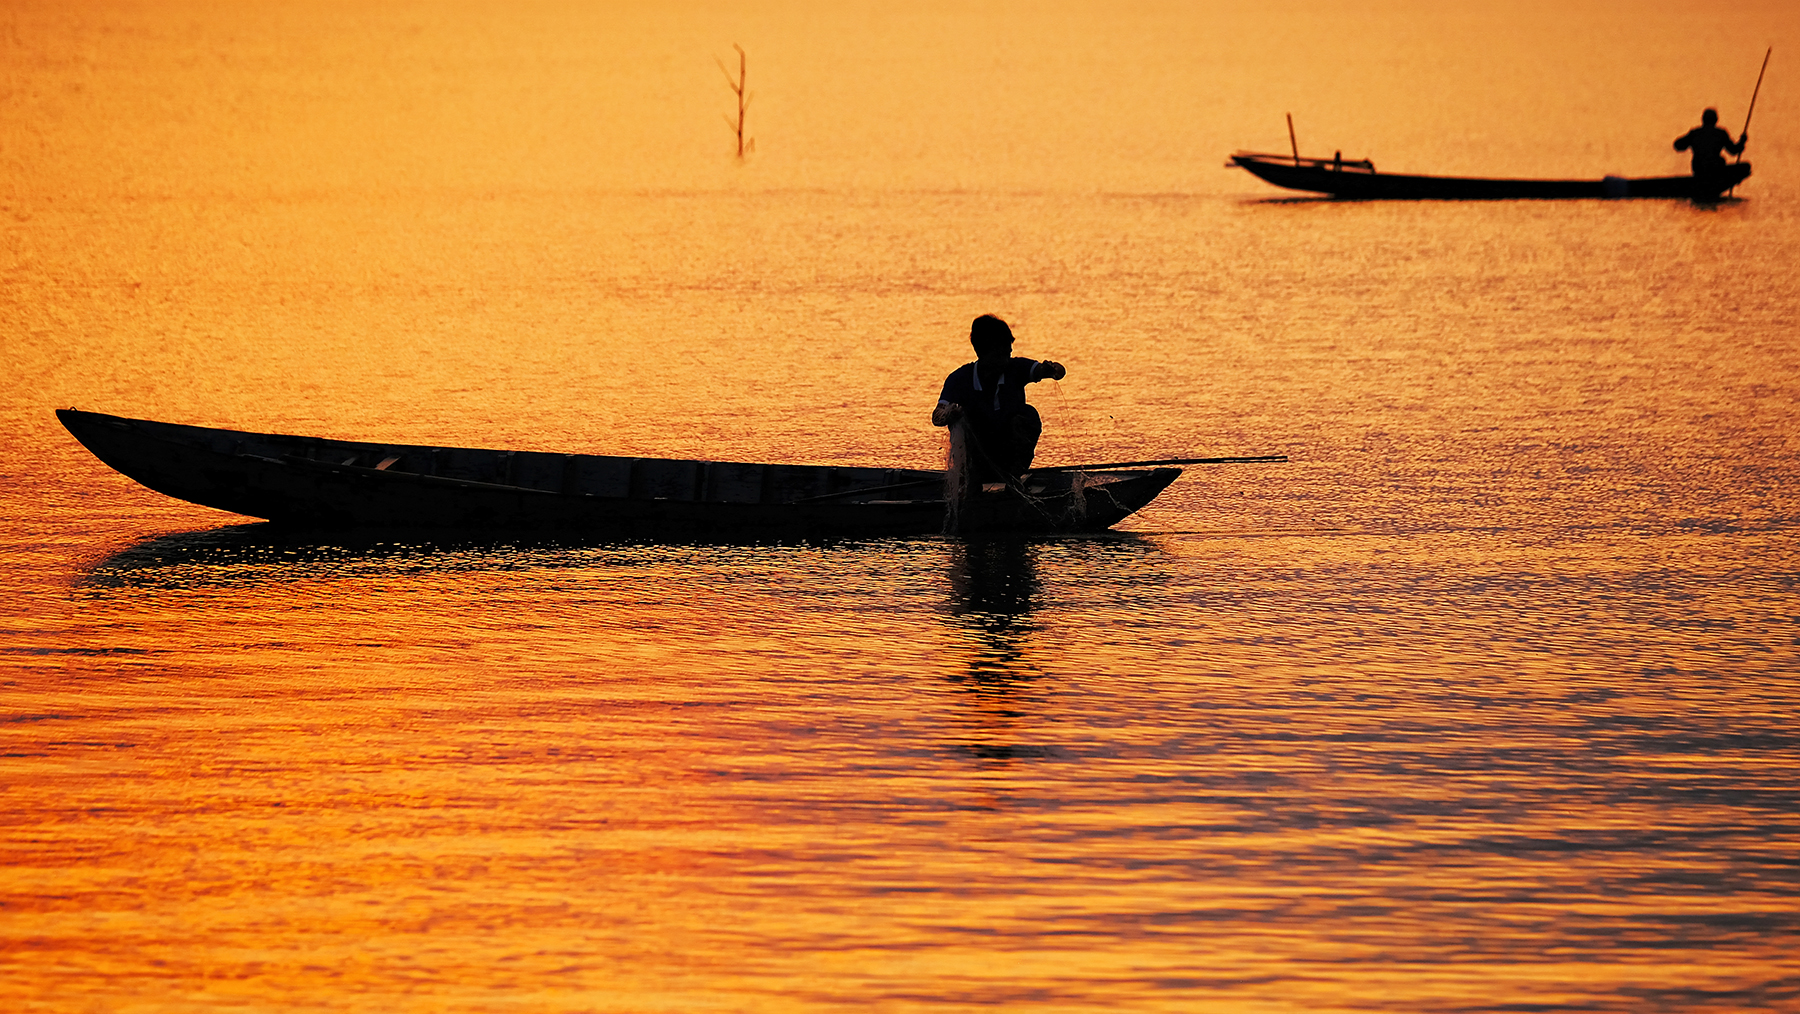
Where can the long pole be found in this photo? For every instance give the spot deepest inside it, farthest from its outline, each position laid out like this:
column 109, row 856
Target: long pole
column 1296, row 144
column 1753, row 95
column 1752, row 112
column 1163, row 461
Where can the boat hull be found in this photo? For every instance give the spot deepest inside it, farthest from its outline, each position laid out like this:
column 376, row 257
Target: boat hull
column 1321, row 178
column 316, row 483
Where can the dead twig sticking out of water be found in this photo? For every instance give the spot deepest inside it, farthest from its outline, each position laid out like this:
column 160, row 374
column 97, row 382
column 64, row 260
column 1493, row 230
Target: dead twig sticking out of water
column 743, row 97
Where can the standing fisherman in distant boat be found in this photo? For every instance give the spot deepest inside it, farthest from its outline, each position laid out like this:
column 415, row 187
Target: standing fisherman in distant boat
column 1708, row 141
column 988, row 395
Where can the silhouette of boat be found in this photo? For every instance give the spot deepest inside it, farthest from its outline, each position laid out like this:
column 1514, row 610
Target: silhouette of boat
column 310, row 482
column 1358, row 180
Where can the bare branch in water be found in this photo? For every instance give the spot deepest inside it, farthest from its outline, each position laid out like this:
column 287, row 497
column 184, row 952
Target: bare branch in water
column 743, row 97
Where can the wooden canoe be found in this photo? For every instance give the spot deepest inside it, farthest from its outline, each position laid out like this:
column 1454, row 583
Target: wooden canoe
column 310, row 482
column 1359, row 181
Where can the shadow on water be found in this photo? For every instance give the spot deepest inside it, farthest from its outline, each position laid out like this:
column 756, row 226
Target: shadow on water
column 994, row 586
column 997, row 598
column 994, row 589
column 265, row 554
column 257, row 554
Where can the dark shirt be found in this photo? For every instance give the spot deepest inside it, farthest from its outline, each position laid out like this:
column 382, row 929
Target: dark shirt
column 1004, row 428
column 986, row 404
column 1707, row 143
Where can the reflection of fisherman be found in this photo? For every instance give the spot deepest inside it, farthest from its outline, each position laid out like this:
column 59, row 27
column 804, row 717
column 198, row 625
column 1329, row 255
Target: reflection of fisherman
column 989, row 395
column 1708, row 141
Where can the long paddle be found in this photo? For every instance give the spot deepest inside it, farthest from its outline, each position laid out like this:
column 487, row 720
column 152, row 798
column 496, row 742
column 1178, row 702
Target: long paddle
column 1752, row 112
column 1163, row 461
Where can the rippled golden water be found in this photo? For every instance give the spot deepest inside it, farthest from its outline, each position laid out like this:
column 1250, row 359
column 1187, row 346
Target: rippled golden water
column 1482, row 702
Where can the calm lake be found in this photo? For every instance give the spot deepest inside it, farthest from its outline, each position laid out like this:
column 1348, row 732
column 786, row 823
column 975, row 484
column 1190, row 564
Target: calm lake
column 1484, row 701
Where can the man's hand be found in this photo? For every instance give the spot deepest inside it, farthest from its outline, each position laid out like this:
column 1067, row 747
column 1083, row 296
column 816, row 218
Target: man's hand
column 946, row 413
column 1052, row 371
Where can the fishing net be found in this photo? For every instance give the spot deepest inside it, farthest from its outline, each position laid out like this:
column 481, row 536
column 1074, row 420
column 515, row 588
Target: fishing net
column 957, row 477
column 960, row 484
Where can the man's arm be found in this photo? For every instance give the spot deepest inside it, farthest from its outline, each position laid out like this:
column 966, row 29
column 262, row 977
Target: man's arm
column 1738, row 148
column 1682, row 142
column 948, row 410
column 1044, row 369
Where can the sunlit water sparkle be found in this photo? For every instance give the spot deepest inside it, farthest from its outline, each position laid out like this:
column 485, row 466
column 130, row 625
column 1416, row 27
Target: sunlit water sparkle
column 1483, row 701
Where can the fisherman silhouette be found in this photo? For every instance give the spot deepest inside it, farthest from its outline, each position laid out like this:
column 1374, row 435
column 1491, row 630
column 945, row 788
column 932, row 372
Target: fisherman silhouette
column 988, row 395
column 1708, row 141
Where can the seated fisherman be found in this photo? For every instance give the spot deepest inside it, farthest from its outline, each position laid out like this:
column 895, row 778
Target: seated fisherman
column 1708, row 141
column 989, row 396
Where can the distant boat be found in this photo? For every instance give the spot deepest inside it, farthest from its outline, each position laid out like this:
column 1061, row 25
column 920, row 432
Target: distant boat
column 1358, row 180
column 317, row 483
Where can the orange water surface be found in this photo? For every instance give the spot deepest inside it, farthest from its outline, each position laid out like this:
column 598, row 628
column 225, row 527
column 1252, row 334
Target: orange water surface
column 1484, row 701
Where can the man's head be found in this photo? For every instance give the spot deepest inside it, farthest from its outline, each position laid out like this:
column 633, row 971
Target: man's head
column 1710, row 117
column 991, row 337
